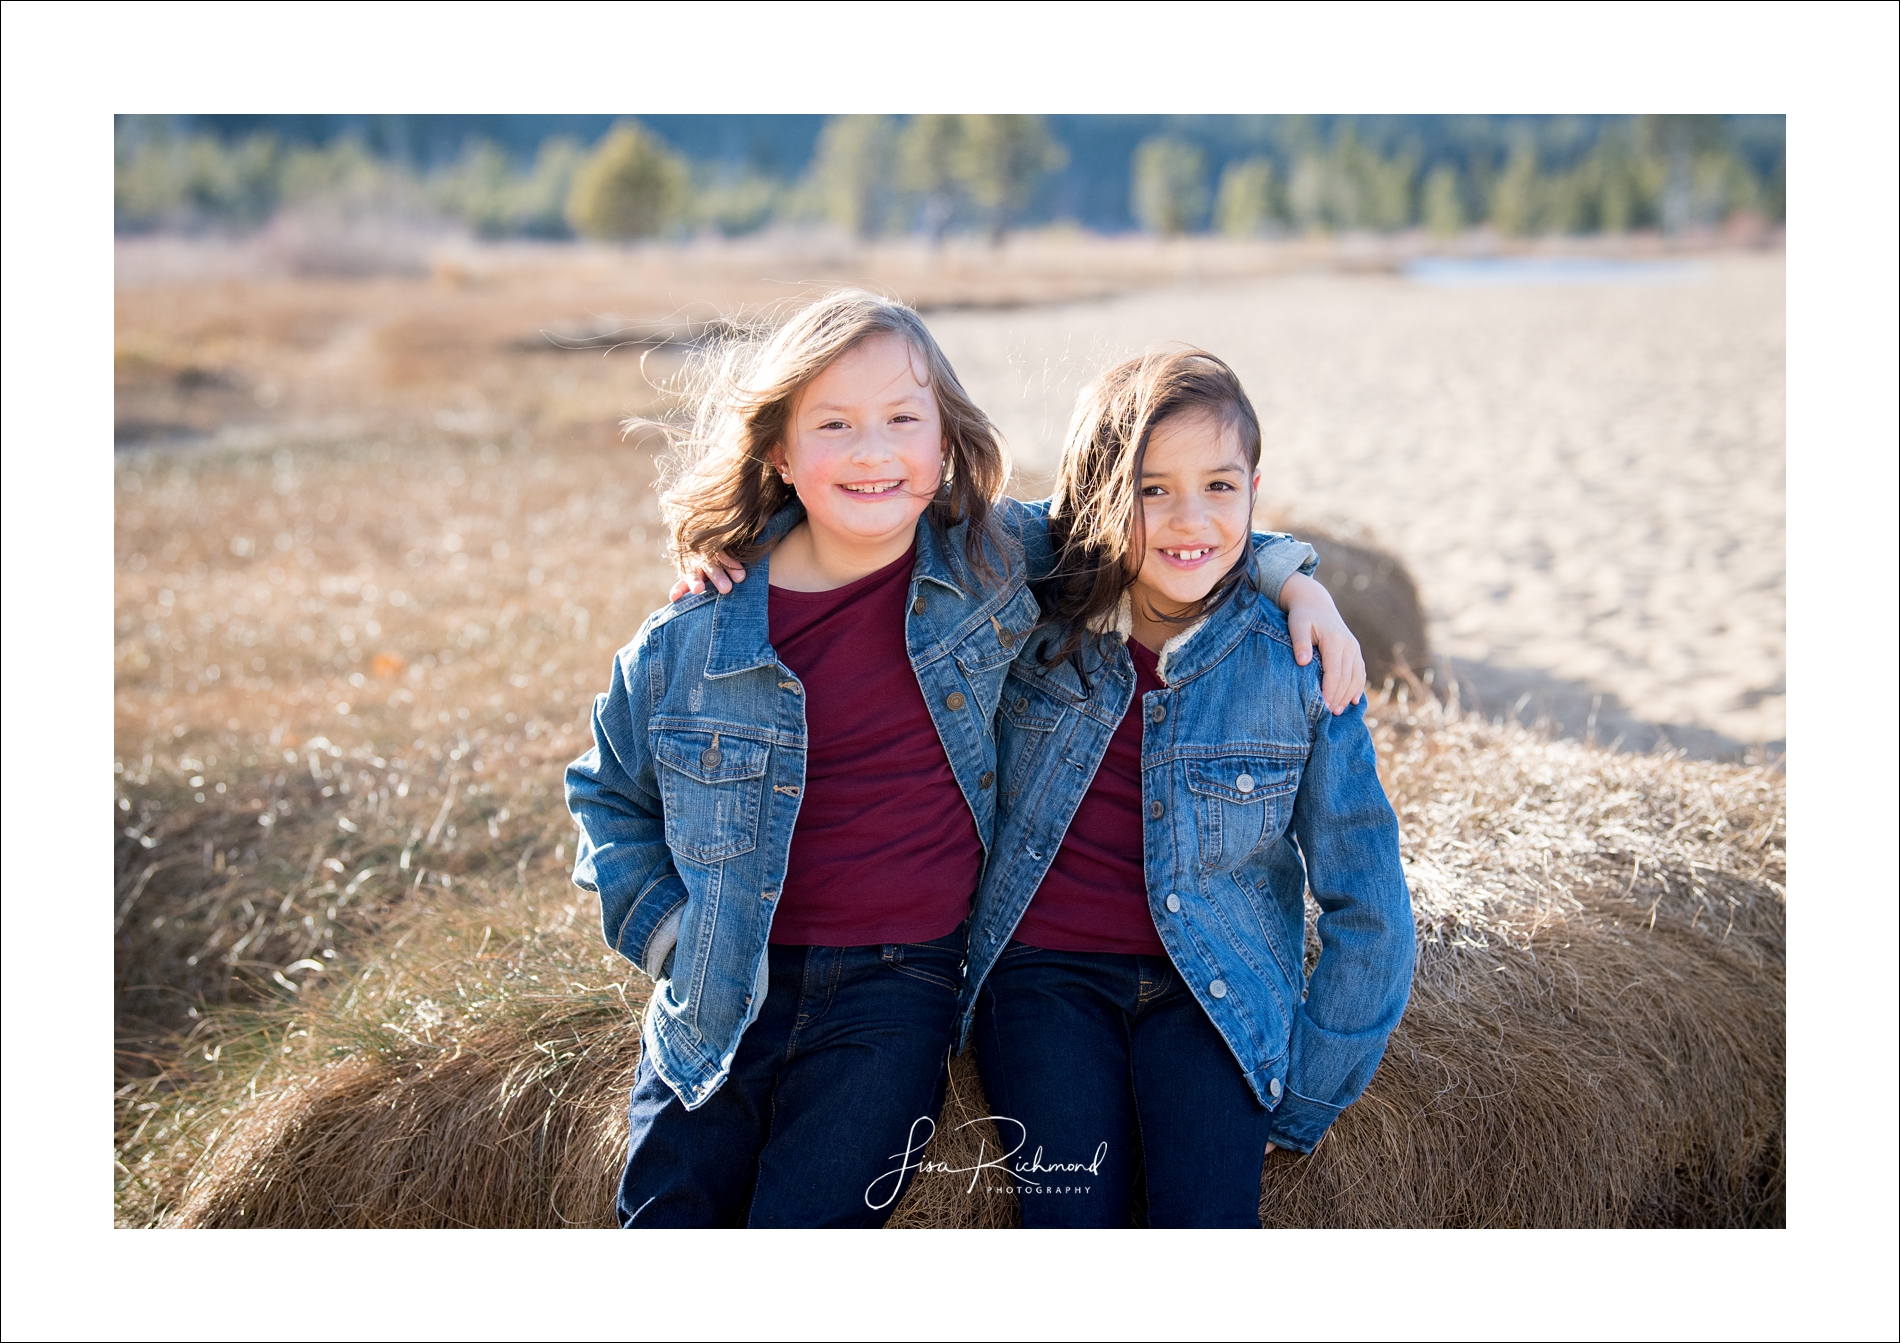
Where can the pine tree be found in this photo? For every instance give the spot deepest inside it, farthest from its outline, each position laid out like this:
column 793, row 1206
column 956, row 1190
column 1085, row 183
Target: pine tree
column 631, row 186
column 1444, row 207
column 1515, row 204
column 1170, row 185
column 853, row 171
column 929, row 156
column 1246, row 203
column 1000, row 160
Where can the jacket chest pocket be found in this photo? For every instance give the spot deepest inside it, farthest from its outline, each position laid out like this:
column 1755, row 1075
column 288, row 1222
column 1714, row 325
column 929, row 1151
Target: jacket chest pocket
column 1241, row 802
column 1024, row 729
column 710, row 784
column 988, row 651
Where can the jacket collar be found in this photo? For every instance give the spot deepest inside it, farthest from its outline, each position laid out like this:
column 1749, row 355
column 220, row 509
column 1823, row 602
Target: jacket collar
column 1222, row 629
column 1204, row 643
column 938, row 559
column 1213, row 637
column 742, row 618
column 1195, row 648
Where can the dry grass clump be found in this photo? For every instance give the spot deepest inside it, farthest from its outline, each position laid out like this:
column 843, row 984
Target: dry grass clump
column 473, row 1073
column 1594, row 1037
column 347, row 678
column 497, row 1098
column 336, row 685
column 1596, row 1032
column 507, row 1116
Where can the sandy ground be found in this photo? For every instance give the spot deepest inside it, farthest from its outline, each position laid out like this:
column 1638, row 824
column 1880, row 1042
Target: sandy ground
column 1587, row 482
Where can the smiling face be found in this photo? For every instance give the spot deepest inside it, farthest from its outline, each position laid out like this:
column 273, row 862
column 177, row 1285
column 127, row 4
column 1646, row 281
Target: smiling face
column 864, row 448
column 1196, row 493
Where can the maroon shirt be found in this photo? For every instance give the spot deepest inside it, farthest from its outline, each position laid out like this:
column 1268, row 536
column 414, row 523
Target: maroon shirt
column 885, row 849
column 1095, row 896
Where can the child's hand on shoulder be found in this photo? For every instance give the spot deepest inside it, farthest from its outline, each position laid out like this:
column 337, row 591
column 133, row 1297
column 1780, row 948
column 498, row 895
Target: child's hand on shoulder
column 721, row 570
column 1313, row 620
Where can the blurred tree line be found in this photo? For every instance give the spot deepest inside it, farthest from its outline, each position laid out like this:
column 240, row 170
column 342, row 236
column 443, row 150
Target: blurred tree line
column 932, row 175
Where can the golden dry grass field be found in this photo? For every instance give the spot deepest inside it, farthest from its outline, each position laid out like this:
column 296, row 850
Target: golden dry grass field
column 376, row 541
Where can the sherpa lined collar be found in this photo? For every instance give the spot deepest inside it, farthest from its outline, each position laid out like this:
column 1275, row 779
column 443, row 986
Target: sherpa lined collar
column 1122, row 625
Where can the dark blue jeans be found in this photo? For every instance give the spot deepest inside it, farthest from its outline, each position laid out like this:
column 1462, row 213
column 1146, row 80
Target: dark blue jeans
column 1107, row 1056
column 811, row 1126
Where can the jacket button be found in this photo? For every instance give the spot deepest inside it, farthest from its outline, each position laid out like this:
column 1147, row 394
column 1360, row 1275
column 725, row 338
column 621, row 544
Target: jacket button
column 916, row 607
column 1218, row 988
column 1157, row 714
column 954, row 700
column 712, row 755
column 1174, row 904
column 1244, row 783
column 1022, row 704
column 986, row 778
column 1156, row 810
column 1273, row 1088
column 1007, row 638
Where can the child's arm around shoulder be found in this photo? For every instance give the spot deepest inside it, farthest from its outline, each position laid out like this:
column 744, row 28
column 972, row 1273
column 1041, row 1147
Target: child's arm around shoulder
column 1277, row 557
column 613, row 793
column 1283, row 572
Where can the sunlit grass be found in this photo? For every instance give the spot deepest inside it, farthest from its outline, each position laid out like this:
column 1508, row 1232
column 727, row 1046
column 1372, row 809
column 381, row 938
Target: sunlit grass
column 347, row 683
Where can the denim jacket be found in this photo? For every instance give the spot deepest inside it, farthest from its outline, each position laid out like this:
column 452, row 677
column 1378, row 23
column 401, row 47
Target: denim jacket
column 1251, row 791
column 687, row 800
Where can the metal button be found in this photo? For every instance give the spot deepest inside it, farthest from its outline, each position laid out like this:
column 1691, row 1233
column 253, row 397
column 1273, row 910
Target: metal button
column 954, row 700
column 1022, row 704
column 916, row 607
column 1218, row 988
column 986, row 778
column 1007, row 638
column 1159, row 713
column 1244, row 783
column 712, row 755
column 1273, row 1088
column 1174, row 904
column 1156, row 810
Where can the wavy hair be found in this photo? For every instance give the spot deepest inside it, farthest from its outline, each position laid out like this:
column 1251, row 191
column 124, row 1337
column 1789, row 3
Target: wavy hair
column 1095, row 518
column 718, row 488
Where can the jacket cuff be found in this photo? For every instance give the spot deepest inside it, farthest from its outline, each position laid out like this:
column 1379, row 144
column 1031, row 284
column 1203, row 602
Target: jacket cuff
column 651, row 925
column 1276, row 558
column 1299, row 1123
column 659, row 948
